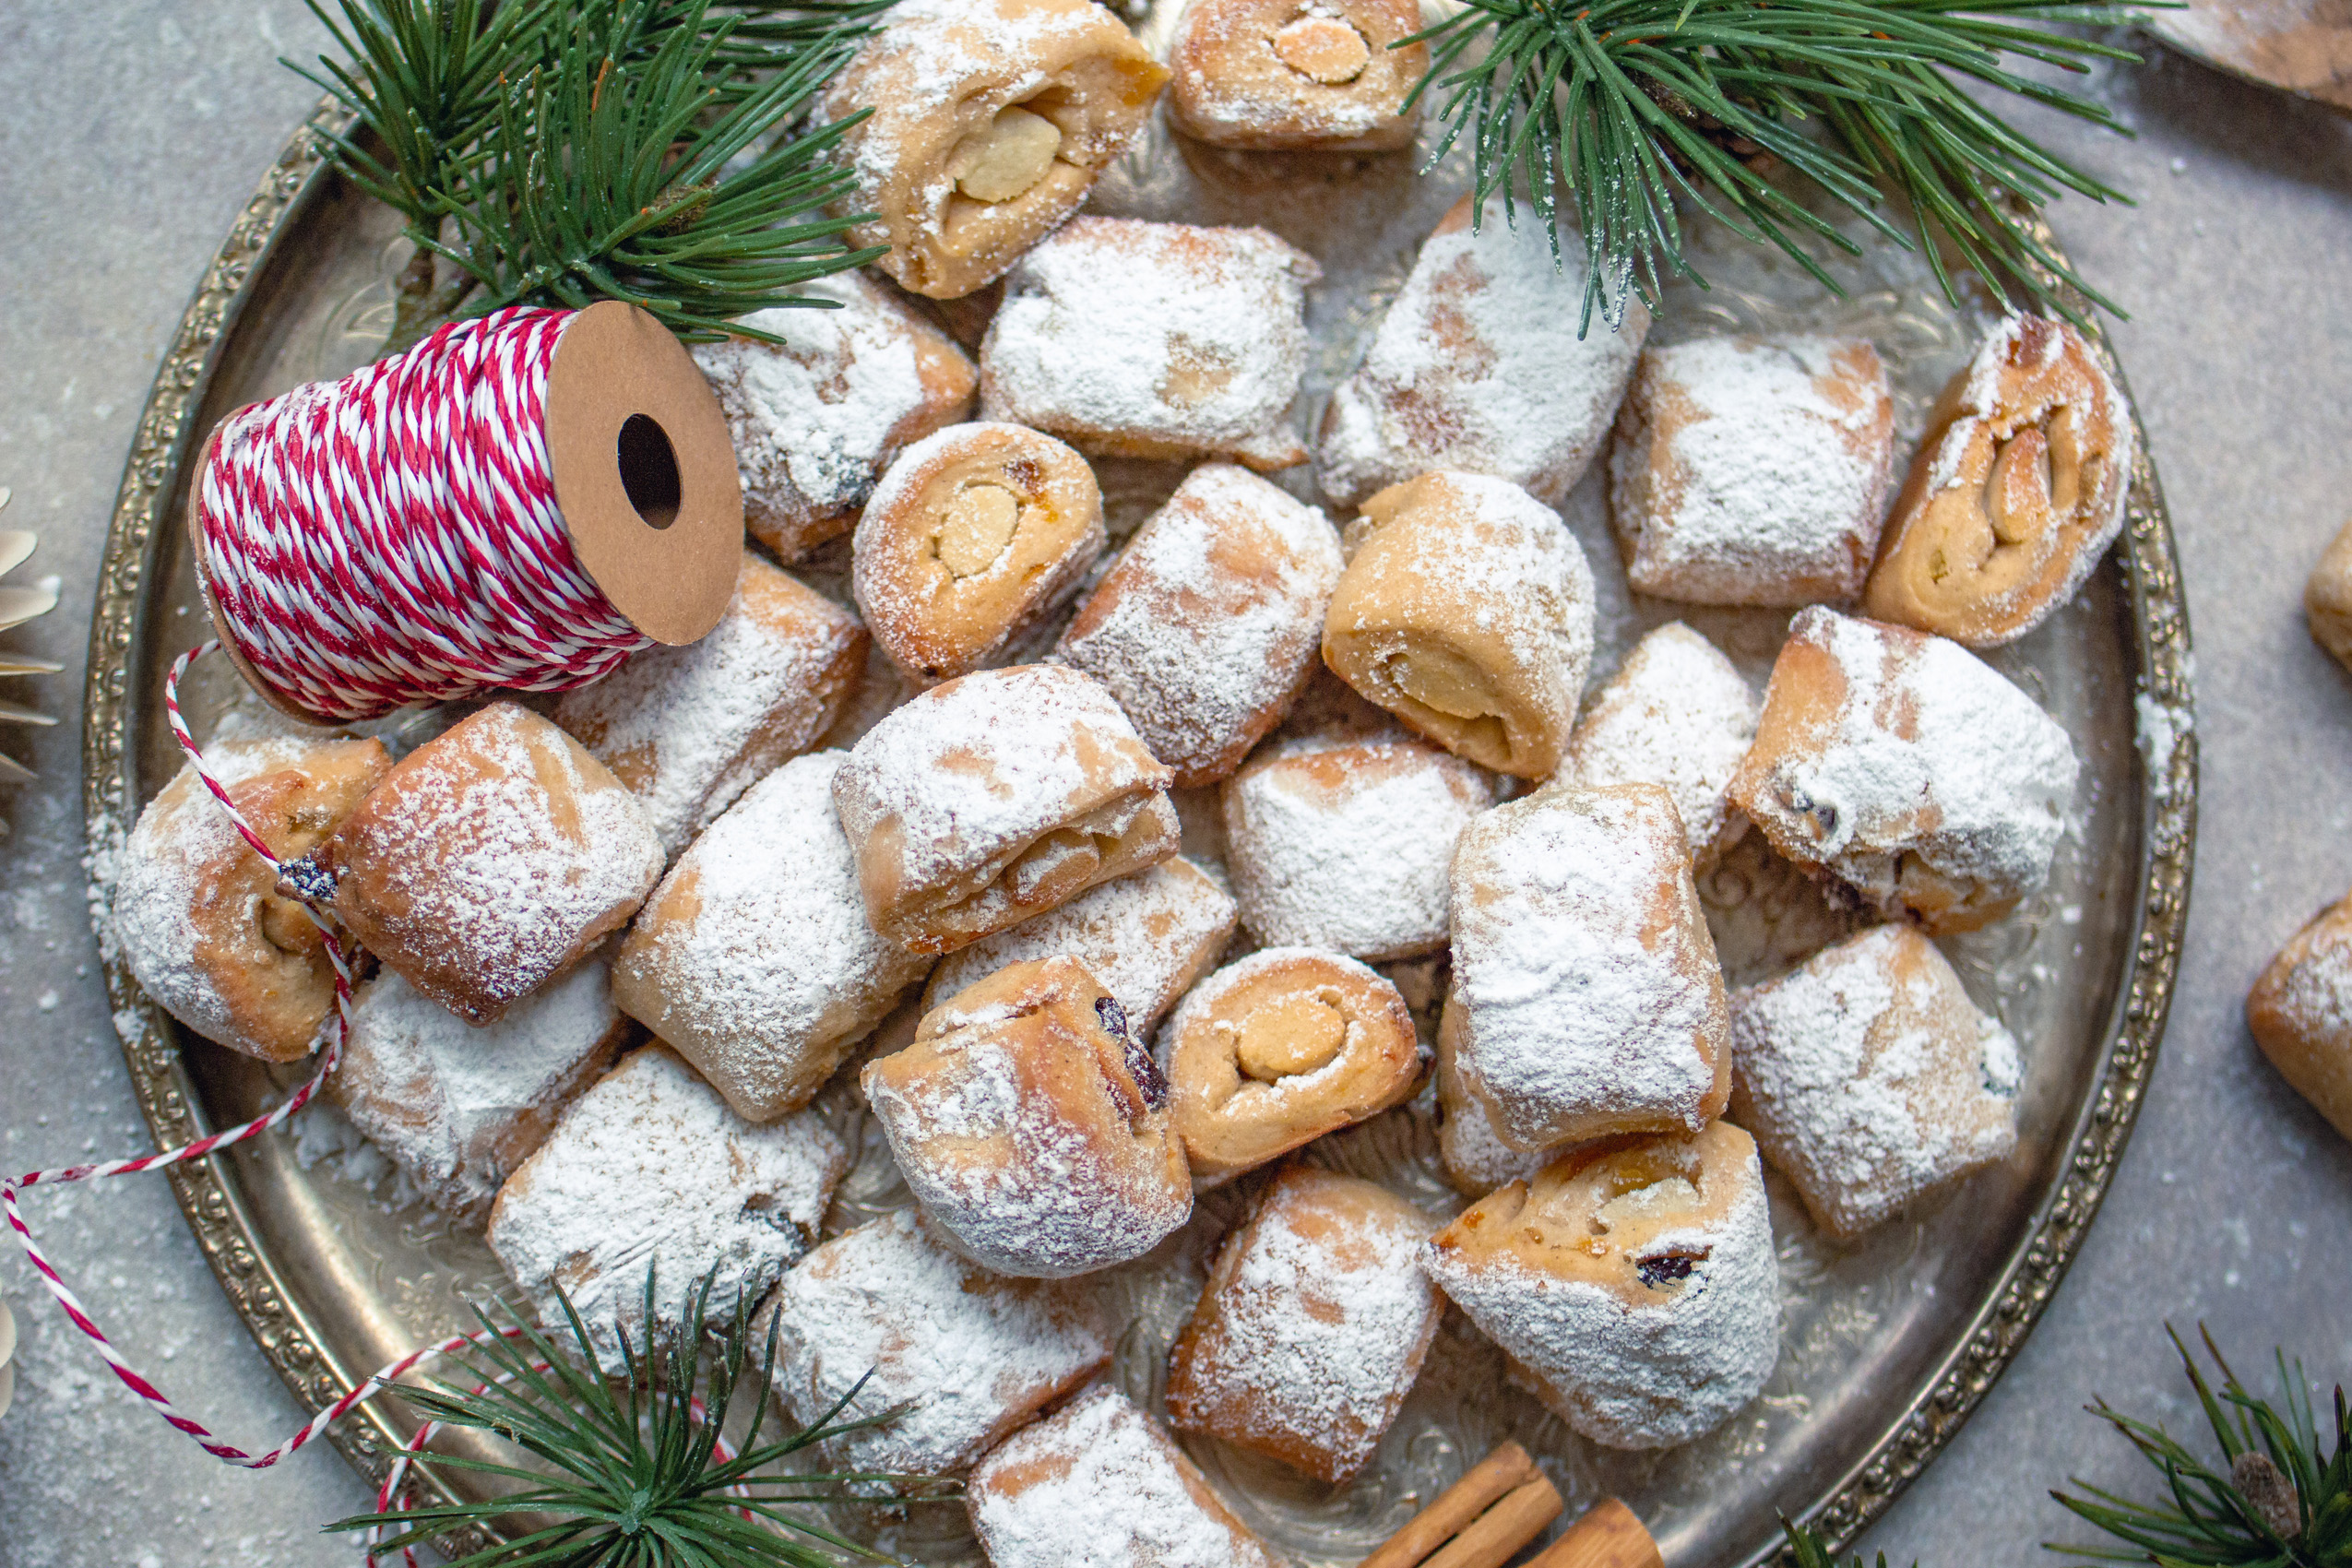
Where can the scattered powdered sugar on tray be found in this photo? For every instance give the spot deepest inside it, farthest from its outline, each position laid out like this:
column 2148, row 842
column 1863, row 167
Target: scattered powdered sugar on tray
column 1340, row 842
column 1478, row 366
column 1678, row 714
column 971, row 1354
column 1159, row 339
column 1098, row 1486
column 649, row 1168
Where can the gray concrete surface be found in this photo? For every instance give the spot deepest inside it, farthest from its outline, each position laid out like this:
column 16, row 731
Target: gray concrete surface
column 131, row 132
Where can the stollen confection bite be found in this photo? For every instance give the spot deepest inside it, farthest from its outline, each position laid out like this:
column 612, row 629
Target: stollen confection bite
column 1207, row 626
column 754, row 958
column 2018, row 488
column 1586, row 999
column 649, row 1170
column 1909, row 768
column 458, row 1106
column 2301, row 1012
column 989, row 121
column 995, row 798
column 970, row 1355
column 1751, row 470
column 1147, row 937
column 689, row 729
column 1343, row 842
column 1479, row 366
column 1321, row 76
column 1313, row 1328
column 1154, row 340
column 1632, row 1283
column 1466, row 610
column 975, row 533
column 1869, row 1078
column 1274, row 1050
column 1678, row 714
column 1476, row 1159
column 197, row 911
column 2327, row 597
column 1098, row 1484
column 1033, row 1126
column 488, row 862
column 817, row 415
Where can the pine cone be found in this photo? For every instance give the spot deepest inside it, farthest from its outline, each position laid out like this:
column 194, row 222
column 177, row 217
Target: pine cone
column 2268, row 1493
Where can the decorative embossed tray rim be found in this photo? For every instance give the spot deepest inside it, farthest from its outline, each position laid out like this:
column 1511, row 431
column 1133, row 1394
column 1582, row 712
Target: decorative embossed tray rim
column 288, row 1327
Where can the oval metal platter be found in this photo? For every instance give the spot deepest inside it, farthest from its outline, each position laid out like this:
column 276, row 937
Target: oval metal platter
column 1886, row 1348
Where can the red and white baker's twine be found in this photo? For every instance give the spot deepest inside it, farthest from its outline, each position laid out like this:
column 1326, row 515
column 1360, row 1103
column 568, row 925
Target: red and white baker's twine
column 393, row 537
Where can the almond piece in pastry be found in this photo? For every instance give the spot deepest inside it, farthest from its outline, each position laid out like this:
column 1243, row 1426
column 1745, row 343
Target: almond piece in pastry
column 1632, row 1282
column 2017, row 490
column 1466, row 610
column 974, row 533
column 1297, row 75
column 989, row 121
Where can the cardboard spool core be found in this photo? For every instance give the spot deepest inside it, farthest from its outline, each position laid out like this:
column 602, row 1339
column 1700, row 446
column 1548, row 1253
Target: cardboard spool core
column 645, row 478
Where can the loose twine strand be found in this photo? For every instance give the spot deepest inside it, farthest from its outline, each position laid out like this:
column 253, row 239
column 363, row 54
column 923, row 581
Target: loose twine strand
column 393, row 537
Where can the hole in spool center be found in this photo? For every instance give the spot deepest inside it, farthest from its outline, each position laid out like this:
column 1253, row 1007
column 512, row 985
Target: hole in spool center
column 650, row 470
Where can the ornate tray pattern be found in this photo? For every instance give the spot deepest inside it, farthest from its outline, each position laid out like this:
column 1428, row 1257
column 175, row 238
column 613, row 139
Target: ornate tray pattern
column 244, row 1213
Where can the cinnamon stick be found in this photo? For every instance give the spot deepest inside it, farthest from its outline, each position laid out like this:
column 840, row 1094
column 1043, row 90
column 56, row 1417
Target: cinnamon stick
column 1608, row 1536
column 1488, row 1481
column 1495, row 1537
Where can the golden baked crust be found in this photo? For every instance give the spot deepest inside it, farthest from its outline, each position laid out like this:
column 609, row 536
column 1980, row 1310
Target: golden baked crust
column 1032, row 1126
column 974, row 533
column 2018, row 488
column 1313, row 1324
column 1296, row 74
column 2301, row 1012
column 1466, row 610
column 1276, row 1049
column 2327, row 597
column 991, row 121
column 197, row 911
column 490, row 860
column 996, row 797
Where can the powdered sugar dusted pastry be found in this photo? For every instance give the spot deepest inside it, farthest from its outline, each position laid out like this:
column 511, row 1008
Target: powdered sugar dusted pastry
column 1342, row 843
column 972, row 1354
column 995, row 798
column 1586, row 999
column 1909, row 769
column 1477, row 366
column 990, row 120
column 1869, row 1078
column 2018, row 488
column 1466, row 610
column 1476, row 1159
column 817, row 415
column 649, row 1170
column 1632, row 1283
column 456, row 1107
column 1206, row 626
column 2327, row 597
column 1032, row 1125
column 1678, row 714
column 488, row 861
column 2301, row 1012
column 197, row 910
column 1147, row 937
column 1281, row 1048
column 1098, row 1483
column 1296, row 74
column 1753, row 471
column 974, row 533
column 689, row 729
column 1313, row 1328
column 754, row 958
column 1154, row 340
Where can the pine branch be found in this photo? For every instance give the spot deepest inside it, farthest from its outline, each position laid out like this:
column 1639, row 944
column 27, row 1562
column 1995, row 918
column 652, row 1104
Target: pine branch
column 626, row 1469
column 1636, row 103
column 1807, row 1550
column 2280, row 1500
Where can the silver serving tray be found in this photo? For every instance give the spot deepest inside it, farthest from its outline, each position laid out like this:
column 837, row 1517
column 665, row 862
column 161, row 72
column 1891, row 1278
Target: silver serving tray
column 1887, row 1347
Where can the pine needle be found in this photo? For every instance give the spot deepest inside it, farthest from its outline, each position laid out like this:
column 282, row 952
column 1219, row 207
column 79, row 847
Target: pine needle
column 1635, row 104
column 1807, row 1550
